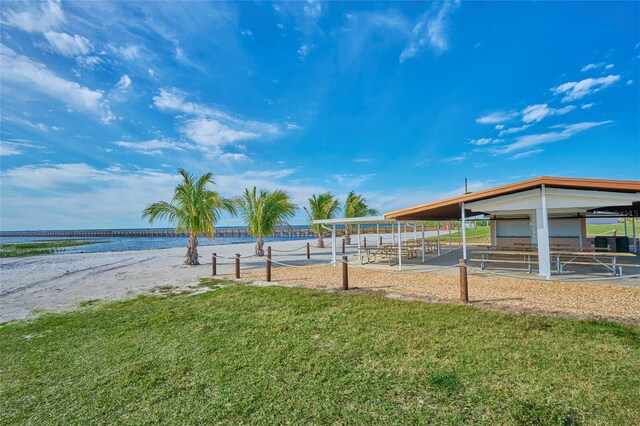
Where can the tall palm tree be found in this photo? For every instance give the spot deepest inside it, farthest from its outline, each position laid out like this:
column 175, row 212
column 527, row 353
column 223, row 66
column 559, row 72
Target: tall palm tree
column 262, row 211
column 194, row 209
column 356, row 206
column 322, row 206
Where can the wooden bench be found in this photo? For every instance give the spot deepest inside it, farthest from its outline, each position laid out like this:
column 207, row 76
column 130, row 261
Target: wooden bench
column 488, row 256
column 597, row 258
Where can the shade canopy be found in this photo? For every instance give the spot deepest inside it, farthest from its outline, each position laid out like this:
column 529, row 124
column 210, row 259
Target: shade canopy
column 622, row 199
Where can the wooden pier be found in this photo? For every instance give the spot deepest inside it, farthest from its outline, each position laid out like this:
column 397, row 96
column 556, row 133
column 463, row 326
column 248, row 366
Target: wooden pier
column 298, row 232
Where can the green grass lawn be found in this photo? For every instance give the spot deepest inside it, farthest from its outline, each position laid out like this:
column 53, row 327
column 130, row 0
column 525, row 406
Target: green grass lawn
column 259, row 355
column 594, row 229
column 38, row 247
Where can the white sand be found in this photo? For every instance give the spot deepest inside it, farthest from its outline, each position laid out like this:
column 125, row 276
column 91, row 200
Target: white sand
column 61, row 280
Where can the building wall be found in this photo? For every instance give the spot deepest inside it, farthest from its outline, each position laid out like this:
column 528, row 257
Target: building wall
column 509, row 232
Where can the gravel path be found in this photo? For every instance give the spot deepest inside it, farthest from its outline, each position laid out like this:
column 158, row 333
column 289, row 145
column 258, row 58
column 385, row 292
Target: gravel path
column 596, row 301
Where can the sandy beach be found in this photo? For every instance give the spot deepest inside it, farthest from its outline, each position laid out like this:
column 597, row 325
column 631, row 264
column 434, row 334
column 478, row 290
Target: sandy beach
column 62, row 280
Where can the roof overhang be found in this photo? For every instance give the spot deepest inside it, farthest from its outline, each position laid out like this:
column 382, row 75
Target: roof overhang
column 354, row 220
column 626, row 203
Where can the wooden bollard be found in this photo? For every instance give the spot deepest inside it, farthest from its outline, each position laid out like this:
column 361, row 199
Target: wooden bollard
column 365, row 242
column 214, row 266
column 269, row 264
column 464, row 286
column 345, row 273
column 343, row 246
column 237, row 260
column 308, row 251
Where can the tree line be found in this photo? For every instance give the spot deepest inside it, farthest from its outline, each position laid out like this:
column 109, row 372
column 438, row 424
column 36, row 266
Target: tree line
column 195, row 209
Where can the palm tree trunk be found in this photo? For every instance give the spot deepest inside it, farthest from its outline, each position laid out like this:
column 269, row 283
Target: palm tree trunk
column 259, row 247
column 192, row 251
column 320, row 240
column 347, row 235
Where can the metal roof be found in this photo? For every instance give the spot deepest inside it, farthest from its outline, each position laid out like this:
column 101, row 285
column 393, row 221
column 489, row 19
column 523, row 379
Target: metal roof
column 449, row 208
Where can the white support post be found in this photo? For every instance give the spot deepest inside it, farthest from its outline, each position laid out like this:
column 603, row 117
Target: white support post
column 449, row 229
column 358, row 238
column 635, row 240
column 625, row 227
column 333, row 244
column 405, row 232
column 423, row 242
column 438, row 231
column 464, row 233
column 399, row 247
column 415, row 231
column 542, row 224
column 393, row 239
column 377, row 235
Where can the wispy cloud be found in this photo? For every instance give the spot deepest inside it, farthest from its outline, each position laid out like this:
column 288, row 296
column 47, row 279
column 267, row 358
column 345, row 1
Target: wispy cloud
column 153, row 146
column 211, row 127
column 20, row 70
column 512, row 130
column 573, row 90
column 533, row 140
column 484, row 141
column 430, row 31
column 496, row 117
column 36, row 17
column 538, row 112
column 526, row 154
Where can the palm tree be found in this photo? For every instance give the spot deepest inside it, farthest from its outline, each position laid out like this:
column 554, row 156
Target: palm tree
column 262, row 211
column 194, row 209
column 356, row 206
column 322, row 206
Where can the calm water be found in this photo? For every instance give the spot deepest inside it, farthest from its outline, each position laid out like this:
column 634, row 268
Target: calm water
column 137, row 243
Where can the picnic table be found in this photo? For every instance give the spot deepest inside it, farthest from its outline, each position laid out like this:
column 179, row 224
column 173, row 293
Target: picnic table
column 560, row 257
column 608, row 259
column 389, row 252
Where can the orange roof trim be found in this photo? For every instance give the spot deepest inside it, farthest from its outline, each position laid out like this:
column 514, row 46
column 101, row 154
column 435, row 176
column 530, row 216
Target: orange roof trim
column 449, row 208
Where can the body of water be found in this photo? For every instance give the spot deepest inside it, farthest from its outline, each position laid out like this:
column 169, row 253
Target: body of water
column 136, row 243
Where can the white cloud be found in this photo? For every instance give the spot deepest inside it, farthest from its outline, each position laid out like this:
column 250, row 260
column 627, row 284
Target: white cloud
column 77, row 195
column 526, row 154
column 246, row 33
column 234, row 156
column 293, row 126
column 19, row 69
column 68, row 45
column 88, row 62
column 538, row 112
column 592, row 66
column 8, row 148
column 313, row 9
column 304, row 50
column 211, row 133
column 430, row 30
column 124, row 83
column 484, row 141
column 130, row 52
column 587, row 106
column 211, row 127
column 153, row 146
column 496, row 117
column 629, row 82
column 579, row 89
column 512, row 130
column 37, row 17
column 455, row 159
column 352, row 181
column 499, row 126
column 608, row 66
column 530, row 141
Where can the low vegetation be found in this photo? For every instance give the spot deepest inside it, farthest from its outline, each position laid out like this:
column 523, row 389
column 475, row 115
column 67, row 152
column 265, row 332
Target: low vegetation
column 39, row 247
column 240, row 354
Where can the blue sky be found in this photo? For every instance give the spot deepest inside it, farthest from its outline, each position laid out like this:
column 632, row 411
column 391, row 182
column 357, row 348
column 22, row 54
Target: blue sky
column 102, row 102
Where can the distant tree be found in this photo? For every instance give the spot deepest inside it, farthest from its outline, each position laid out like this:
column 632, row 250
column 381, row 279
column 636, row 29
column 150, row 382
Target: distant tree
column 262, row 211
column 356, row 206
column 322, row 206
column 194, row 209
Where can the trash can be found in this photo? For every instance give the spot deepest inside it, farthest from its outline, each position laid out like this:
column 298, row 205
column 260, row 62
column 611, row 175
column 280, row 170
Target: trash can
column 601, row 243
column 622, row 244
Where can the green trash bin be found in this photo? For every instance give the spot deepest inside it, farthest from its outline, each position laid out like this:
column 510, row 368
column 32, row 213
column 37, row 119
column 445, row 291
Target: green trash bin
column 601, row 243
column 622, row 244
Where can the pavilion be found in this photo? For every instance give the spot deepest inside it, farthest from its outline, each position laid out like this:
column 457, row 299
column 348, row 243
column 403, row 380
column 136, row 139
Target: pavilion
column 542, row 212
